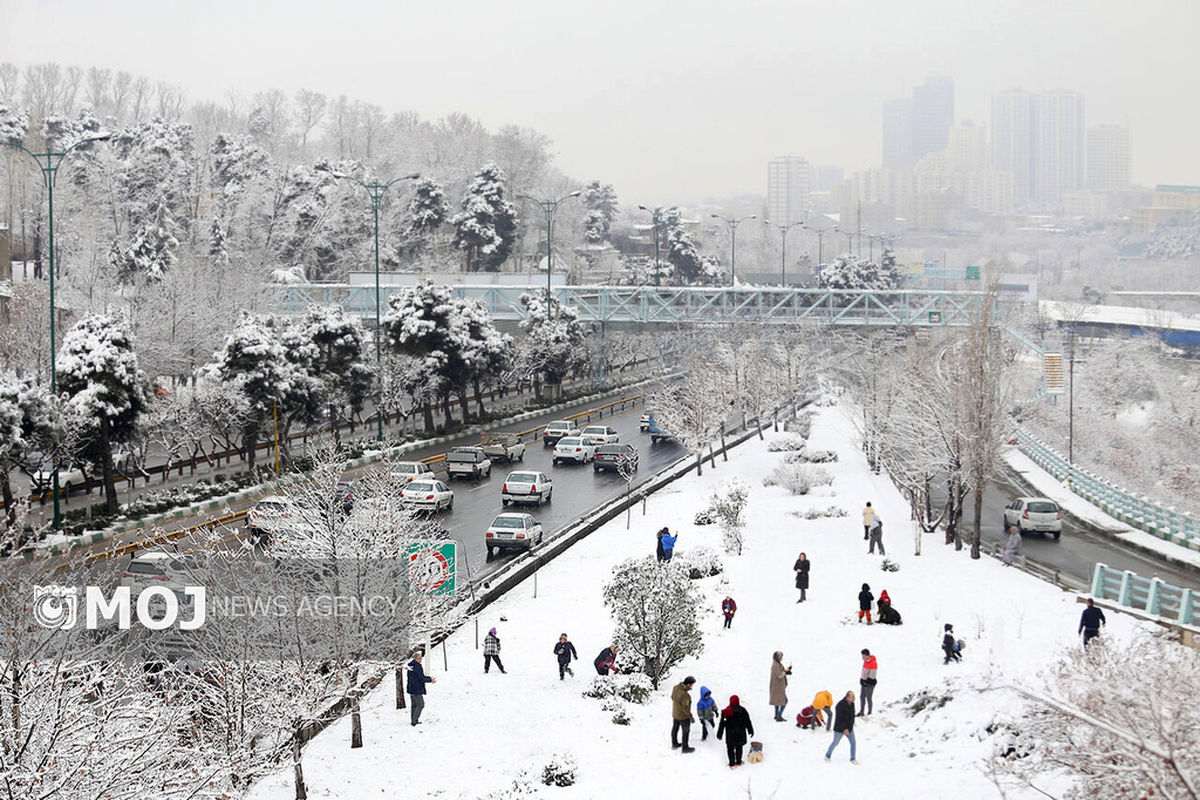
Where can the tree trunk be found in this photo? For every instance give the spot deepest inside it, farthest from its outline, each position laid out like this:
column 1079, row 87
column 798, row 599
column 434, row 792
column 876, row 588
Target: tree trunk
column 10, row 507
column 250, row 443
column 466, row 408
column 333, row 426
column 978, row 517
column 110, row 486
column 400, row 687
column 297, row 769
column 427, row 410
column 699, row 463
column 446, row 409
column 355, row 713
column 479, row 399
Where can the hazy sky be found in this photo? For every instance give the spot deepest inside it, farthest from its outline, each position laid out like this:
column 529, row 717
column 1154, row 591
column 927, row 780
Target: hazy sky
column 669, row 101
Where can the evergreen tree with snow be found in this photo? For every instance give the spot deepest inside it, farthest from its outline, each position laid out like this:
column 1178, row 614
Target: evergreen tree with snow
column 554, row 338
column 99, row 375
column 29, row 427
column 600, row 202
column 847, row 272
column 252, row 362
column 338, row 360
column 427, row 211
column 14, row 122
column 485, row 229
column 681, row 252
column 656, row 612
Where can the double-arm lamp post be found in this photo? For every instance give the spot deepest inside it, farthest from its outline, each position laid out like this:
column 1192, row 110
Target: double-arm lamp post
column 783, row 232
column 732, row 222
column 549, row 207
column 820, row 242
column 49, row 162
column 375, row 190
column 655, row 219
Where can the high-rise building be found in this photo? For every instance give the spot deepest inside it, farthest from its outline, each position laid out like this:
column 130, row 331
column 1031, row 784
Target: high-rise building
column 1060, row 143
column 966, row 149
column 1014, row 122
column 932, row 115
column 1109, row 163
column 787, row 189
column 898, row 134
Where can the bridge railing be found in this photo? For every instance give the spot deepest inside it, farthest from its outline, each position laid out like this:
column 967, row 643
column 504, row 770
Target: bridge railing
column 1140, row 512
column 1151, row 595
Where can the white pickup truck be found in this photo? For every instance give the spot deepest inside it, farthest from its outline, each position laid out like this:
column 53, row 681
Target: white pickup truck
column 507, row 446
column 468, row 462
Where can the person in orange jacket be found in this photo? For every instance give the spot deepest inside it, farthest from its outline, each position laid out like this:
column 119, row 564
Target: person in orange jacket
column 823, row 706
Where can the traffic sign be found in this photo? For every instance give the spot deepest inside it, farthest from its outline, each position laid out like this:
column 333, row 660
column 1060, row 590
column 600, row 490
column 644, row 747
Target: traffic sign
column 972, row 272
column 432, row 566
column 935, row 318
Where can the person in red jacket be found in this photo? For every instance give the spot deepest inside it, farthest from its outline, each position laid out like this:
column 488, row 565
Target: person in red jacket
column 728, row 608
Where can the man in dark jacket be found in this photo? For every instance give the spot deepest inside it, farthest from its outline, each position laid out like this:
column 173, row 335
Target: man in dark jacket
column 950, row 646
column 662, row 556
column 735, row 727
column 565, row 652
column 865, row 599
column 607, row 660
column 416, row 687
column 1090, row 622
column 681, row 714
column 843, row 725
column 801, row 567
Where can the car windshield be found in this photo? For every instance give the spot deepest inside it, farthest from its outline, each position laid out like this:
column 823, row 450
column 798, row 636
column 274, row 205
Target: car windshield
column 1042, row 507
column 405, row 468
column 569, row 442
column 523, row 477
column 508, row 522
column 608, row 450
column 594, row 430
column 559, row 426
column 460, row 456
column 420, row 487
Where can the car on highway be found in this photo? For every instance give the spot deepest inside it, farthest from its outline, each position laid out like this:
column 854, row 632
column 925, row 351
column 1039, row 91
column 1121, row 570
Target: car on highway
column 526, row 487
column 69, row 477
column 272, row 514
column 405, row 471
column 574, row 448
column 602, row 434
column 615, row 457
column 427, row 495
column 507, row 446
column 512, row 530
column 557, row 430
column 171, row 570
column 1030, row 514
column 468, row 462
column 644, row 422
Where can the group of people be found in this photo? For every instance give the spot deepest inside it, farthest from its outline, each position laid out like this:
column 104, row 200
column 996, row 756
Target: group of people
column 666, row 544
column 883, row 607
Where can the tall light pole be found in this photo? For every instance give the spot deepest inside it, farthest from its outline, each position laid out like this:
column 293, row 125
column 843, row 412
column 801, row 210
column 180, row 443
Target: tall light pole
column 732, row 222
column 375, row 190
column 49, row 162
column 549, row 207
column 820, row 241
column 783, row 232
column 655, row 218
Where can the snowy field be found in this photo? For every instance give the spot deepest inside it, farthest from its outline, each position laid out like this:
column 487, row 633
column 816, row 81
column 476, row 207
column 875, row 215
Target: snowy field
column 480, row 732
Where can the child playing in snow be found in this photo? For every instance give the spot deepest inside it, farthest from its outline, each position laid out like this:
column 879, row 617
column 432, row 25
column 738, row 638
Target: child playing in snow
column 706, row 710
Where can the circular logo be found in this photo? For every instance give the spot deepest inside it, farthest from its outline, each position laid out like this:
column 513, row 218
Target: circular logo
column 55, row 606
column 429, row 568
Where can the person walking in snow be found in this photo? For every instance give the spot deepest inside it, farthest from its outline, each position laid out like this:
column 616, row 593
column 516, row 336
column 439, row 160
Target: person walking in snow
column 681, row 714
column 662, row 556
column 886, row 614
column 728, row 608
column 668, row 544
column 823, row 706
column 801, row 567
column 491, row 651
column 706, row 711
column 950, row 645
column 865, row 598
column 416, row 687
column 779, row 684
column 607, row 660
column 843, row 725
column 1012, row 548
column 866, row 682
column 1090, row 622
column 565, row 652
column 876, row 535
column 735, row 727
column 868, row 517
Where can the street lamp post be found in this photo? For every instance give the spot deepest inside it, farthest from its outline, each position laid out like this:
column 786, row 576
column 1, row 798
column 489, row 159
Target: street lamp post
column 783, row 232
column 732, row 222
column 820, row 242
column 549, row 207
column 654, row 218
column 375, row 191
column 49, row 162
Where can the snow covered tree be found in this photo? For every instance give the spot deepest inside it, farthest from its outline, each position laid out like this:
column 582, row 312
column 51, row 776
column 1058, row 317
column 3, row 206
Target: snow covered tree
column 98, row 372
column 847, row 272
column 427, row 211
column 728, row 504
column 253, row 360
column 14, row 122
column 338, row 361
column 553, row 338
column 29, row 426
column 656, row 612
column 600, row 203
column 679, row 247
column 485, row 229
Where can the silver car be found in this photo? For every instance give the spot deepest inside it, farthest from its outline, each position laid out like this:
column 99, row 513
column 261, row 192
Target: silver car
column 516, row 531
column 527, row 487
column 1028, row 514
column 574, row 448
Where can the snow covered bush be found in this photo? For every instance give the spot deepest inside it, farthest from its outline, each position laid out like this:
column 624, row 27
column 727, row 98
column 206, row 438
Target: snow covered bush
column 701, row 562
column 634, row 687
column 561, row 771
column 801, row 426
column 820, row 513
column 521, row 788
column 728, row 505
column 887, row 565
column 618, row 709
column 797, row 478
column 812, row 457
column 704, row 517
column 786, row 444
column 657, row 614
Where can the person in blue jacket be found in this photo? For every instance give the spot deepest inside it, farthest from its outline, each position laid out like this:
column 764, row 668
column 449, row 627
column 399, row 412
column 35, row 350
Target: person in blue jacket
column 565, row 652
column 668, row 544
column 706, row 711
column 416, row 687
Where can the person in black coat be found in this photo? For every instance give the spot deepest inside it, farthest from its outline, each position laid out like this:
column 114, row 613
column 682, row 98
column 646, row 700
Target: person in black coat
column 865, row 599
column 950, row 646
column 565, row 652
column 735, row 727
column 843, row 725
column 416, row 687
column 802, row 566
column 1090, row 622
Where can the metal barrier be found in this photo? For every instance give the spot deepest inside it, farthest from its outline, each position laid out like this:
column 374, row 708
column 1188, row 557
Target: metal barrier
column 1178, row 527
column 1151, row 595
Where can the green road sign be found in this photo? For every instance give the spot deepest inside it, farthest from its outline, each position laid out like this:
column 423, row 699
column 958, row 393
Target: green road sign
column 935, row 318
column 433, row 566
column 972, row 273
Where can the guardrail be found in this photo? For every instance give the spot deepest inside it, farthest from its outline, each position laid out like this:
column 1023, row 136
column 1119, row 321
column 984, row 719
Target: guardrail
column 1151, row 595
column 1039, row 569
column 1140, row 512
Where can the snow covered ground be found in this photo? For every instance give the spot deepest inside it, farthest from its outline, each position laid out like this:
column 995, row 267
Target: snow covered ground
column 480, row 732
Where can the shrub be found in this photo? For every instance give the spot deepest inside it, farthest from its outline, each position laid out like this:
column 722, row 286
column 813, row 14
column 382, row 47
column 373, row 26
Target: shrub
column 797, row 478
column 801, row 426
column 812, row 457
column 633, row 688
column 728, row 504
column 887, row 565
column 786, row 444
column 561, row 771
column 620, row 714
column 705, row 517
column 820, row 513
column 701, row 562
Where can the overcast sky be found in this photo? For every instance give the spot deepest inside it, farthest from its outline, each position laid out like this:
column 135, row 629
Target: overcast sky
column 669, row 101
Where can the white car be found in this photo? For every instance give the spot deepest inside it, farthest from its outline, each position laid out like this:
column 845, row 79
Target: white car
column 509, row 530
column 602, row 434
column 68, row 478
column 557, row 430
column 404, row 471
column 273, row 514
column 574, row 448
column 428, row 495
column 526, row 487
column 171, row 570
column 1034, row 514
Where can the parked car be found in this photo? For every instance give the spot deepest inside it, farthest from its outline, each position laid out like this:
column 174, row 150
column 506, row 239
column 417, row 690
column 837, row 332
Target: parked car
column 468, row 462
column 69, row 477
column 602, row 434
column 526, row 487
column 557, row 430
column 644, row 423
column 273, row 514
column 512, row 530
column 172, row 570
column 507, row 446
column 574, row 448
column 1034, row 514
column 405, row 471
column 428, row 495
column 614, row 457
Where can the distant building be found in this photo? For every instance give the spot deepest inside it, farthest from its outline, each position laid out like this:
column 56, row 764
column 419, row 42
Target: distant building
column 967, row 148
column 1014, row 116
column 898, row 134
column 1167, row 203
column 916, row 127
column 1109, row 158
column 787, row 189
column 1060, row 145
column 823, row 177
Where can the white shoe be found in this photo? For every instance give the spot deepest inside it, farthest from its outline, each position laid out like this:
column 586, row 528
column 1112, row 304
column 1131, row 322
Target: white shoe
column 854, row 761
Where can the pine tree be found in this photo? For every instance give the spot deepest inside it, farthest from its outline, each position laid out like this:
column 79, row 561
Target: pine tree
column 486, row 228
column 252, row 361
column 427, row 211
column 602, row 209
column 339, row 362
